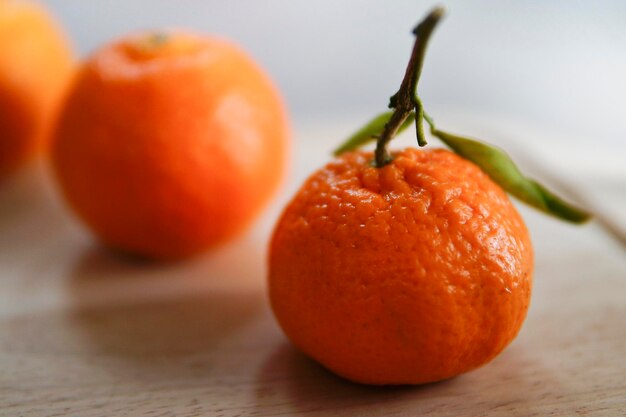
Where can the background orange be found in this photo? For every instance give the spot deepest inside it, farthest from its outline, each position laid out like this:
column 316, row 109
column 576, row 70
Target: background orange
column 170, row 143
column 35, row 66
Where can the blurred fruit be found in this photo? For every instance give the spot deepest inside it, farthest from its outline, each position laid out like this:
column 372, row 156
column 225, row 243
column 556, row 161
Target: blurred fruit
column 405, row 274
column 35, row 67
column 170, row 143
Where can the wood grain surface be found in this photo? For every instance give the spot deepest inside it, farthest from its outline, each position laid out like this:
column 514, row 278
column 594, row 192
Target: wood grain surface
column 87, row 332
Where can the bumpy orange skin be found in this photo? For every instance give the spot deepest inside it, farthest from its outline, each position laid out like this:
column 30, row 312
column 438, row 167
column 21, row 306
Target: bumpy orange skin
column 35, row 67
column 170, row 144
column 412, row 273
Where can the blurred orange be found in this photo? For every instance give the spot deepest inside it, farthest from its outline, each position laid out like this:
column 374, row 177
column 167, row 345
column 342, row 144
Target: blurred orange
column 170, row 143
column 35, row 66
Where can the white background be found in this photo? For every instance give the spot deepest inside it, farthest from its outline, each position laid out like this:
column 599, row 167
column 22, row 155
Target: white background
column 556, row 64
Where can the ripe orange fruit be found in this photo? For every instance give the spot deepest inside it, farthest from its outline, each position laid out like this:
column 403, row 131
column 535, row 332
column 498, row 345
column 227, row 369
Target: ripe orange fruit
column 170, row 143
column 35, row 66
column 405, row 274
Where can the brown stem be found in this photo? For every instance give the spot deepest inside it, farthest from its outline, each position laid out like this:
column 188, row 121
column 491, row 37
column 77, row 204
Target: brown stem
column 405, row 101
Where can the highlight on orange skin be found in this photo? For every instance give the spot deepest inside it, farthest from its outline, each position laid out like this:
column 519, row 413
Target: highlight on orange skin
column 170, row 143
column 36, row 64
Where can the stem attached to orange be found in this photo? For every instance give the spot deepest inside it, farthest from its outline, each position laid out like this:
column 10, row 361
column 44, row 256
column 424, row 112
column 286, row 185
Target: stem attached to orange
column 406, row 100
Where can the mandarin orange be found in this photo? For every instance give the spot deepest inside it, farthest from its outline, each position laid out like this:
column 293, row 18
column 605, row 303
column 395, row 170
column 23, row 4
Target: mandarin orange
column 170, row 143
column 35, row 66
column 405, row 274
column 412, row 266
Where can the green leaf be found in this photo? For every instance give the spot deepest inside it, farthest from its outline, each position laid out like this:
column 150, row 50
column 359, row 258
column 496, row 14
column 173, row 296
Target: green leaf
column 502, row 170
column 557, row 205
column 370, row 132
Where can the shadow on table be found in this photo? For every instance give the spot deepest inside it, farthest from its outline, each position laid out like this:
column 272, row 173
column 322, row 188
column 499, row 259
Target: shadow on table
column 161, row 320
column 29, row 212
column 22, row 189
column 291, row 383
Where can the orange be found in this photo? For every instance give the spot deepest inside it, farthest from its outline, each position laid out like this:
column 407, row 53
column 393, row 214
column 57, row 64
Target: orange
column 170, row 143
column 35, row 66
column 410, row 273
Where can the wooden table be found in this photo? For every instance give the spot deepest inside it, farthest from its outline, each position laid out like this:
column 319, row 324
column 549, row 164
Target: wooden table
column 84, row 332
